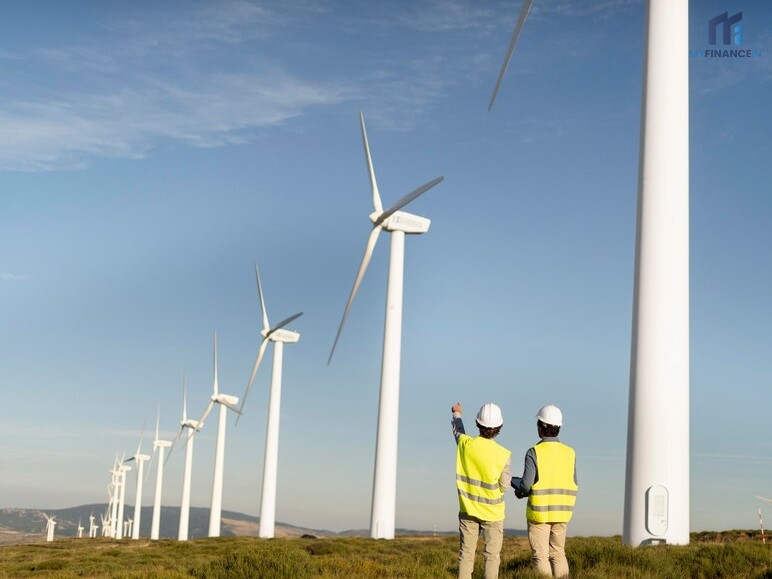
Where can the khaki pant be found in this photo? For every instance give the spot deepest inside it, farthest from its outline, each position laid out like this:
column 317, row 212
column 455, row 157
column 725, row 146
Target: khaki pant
column 493, row 535
column 548, row 543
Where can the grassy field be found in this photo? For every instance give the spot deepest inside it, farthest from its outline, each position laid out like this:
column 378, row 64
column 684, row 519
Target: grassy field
column 711, row 555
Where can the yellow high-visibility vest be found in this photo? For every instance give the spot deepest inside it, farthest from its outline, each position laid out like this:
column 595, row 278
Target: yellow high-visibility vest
column 479, row 462
column 553, row 495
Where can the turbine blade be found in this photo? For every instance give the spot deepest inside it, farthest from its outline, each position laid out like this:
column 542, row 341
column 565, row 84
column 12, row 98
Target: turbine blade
column 407, row 199
column 174, row 444
column 763, row 498
column 266, row 326
column 371, row 241
column 215, row 387
column 515, row 35
column 205, row 415
column 150, row 465
column 373, row 184
column 284, row 322
column 184, row 397
column 259, row 359
column 157, row 423
column 141, row 436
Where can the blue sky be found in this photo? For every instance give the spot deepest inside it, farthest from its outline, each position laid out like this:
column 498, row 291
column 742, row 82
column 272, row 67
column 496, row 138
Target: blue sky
column 152, row 153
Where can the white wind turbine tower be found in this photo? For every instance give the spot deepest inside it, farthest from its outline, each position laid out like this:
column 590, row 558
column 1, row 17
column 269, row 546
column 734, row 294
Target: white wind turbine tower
column 398, row 223
column 279, row 336
column 159, row 446
column 657, row 477
column 141, row 459
column 105, row 525
column 50, row 525
column 80, row 530
column 226, row 401
column 193, row 426
column 122, row 469
column 92, row 528
column 114, row 490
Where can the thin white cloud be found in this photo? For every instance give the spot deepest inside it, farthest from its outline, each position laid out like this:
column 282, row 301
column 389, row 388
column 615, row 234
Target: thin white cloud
column 153, row 84
column 441, row 15
column 13, row 277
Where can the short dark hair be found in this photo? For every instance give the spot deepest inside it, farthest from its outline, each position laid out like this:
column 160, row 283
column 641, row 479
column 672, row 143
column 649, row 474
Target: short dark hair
column 547, row 430
column 487, row 432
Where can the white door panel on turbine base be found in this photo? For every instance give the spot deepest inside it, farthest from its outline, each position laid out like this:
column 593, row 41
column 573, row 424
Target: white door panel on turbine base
column 656, row 510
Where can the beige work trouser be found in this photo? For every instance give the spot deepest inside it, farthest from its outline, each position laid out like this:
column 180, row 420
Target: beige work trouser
column 548, row 543
column 493, row 535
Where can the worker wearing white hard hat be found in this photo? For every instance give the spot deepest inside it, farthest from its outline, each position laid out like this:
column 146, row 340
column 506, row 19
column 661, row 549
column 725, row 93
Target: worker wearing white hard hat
column 483, row 474
column 549, row 482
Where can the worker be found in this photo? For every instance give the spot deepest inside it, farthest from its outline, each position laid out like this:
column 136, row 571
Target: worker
column 549, row 482
column 483, row 474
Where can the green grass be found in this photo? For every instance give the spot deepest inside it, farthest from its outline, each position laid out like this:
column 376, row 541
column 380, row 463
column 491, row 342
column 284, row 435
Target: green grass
column 725, row 555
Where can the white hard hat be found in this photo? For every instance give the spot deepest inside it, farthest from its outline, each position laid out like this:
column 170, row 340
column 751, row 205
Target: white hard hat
column 489, row 416
column 550, row 415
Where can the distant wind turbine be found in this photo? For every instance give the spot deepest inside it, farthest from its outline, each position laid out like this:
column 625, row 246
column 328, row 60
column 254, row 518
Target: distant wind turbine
column 193, row 426
column 50, row 525
column 115, row 491
column 226, row 401
column 140, row 459
column 279, row 336
column 398, row 223
column 92, row 528
column 657, row 472
column 122, row 469
column 158, row 446
column 80, row 530
column 105, row 525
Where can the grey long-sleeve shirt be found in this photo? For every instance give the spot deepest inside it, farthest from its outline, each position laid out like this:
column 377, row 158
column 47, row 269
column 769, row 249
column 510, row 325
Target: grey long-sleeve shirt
column 522, row 485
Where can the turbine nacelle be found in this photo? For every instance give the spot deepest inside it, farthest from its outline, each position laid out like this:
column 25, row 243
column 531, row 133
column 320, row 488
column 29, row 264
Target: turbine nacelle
column 402, row 221
column 282, row 335
column 161, row 443
column 190, row 423
column 226, row 400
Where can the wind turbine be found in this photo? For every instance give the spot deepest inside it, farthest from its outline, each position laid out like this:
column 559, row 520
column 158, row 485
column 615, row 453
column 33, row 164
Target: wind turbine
column 398, row 223
column 141, row 459
column 279, row 336
column 226, row 401
column 105, row 525
column 80, row 530
column 193, row 426
column 657, row 473
column 92, row 528
column 50, row 525
column 159, row 446
column 114, row 490
column 122, row 469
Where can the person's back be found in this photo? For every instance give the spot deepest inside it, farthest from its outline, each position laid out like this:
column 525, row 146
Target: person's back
column 483, row 472
column 549, row 482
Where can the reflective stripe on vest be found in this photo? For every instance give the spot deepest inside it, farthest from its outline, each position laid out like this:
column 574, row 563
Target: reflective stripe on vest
column 553, row 495
column 479, row 462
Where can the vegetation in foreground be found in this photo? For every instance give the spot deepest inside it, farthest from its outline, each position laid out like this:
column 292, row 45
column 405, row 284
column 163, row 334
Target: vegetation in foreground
column 711, row 555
